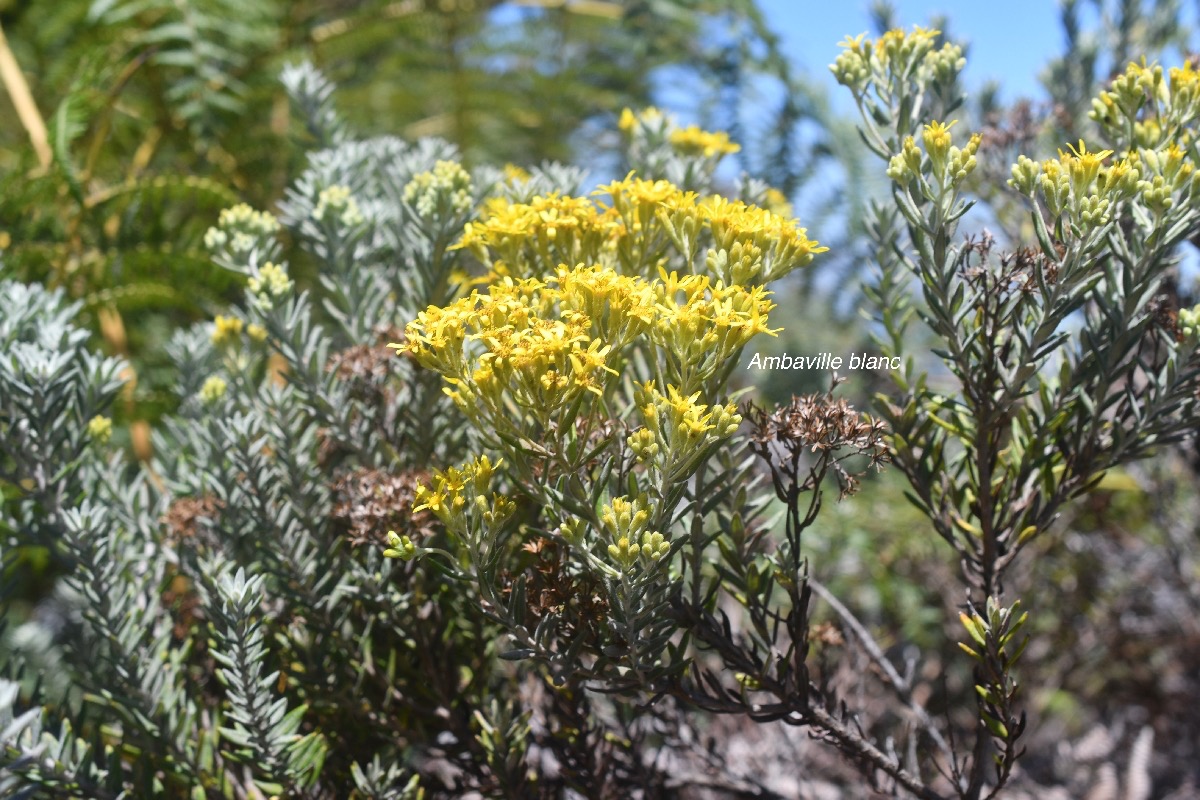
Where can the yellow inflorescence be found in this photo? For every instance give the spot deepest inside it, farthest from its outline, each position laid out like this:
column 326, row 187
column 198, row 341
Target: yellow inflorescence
column 619, row 307
column 1189, row 322
column 522, row 239
column 783, row 244
column 637, row 201
column 213, row 389
column 514, row 344
column 1161, row 109
column 226, row 330
column 458, row 496
column 1082, row 186
column 948, row 163
column 896, row 57
column 625, row 522
column 539, row 344
column 636, row 227
column 584, row 293
column 632, row 121
column 100, row 429
column 705, row 324
column 693, row 140
column 678, row 429
column 270, row 283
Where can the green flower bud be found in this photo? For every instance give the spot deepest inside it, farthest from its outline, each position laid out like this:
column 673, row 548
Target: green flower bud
column 100, row 429
column 400, row 547
column 1025, row 175
column 213, row 390
column 624, row 553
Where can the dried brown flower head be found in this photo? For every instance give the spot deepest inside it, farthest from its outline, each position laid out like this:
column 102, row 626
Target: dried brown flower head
column 192, row 517
column 370, row 502
column 367, row 367
column 818, row 424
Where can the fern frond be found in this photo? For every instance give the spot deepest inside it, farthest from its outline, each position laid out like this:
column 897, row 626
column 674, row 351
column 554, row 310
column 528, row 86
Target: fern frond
column 205, row 46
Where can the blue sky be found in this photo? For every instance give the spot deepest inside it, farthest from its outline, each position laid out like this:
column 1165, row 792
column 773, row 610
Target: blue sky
column 1010, row 40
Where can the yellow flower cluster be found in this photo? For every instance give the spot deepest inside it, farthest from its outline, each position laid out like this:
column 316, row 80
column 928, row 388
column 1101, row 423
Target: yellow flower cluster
column 336, row 202
column 513, row 345
column 693, row 140
column 678, row 430
column 703, row 326
column 632, row 122
column 524, row 240
column 240, row 229
column 1153, row 114
column 586, row 297
column 1189, row 322
column 244, row 218
column 1080, row 185
column 100, row 429
column 948, row 164
column 269, row 284
column 226, row 330
column 1160, row 109
column 1168, row 174
column 626, row 524
column 746, row 233
column 458, row 496
column 443, row 191
column 538, row 346
column 655, row 128
column 896, row 57
column 514, row 174
column 634, row 233
column 637, row 201
column 657, row 144
column 618, row 307
column 213, row 390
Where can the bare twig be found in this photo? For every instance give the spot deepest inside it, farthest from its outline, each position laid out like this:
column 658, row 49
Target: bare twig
column 900, row 684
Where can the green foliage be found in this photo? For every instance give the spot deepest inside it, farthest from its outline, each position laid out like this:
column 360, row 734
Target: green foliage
column 1038, row 412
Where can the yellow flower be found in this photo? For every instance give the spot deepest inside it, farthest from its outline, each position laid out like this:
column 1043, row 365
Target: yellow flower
column 458, row 497
column 271, row 282
column 784, row 245
column 619, row 307
column 855, row 44
column 679, row 429
column 626, row 522
column 443, row 190
column 1082, row 166
column 631, row 121
column 705, row 325
column 337, row 200
column 515, row 174
column 1118, row 180
column 896, row 50
column 936, row 137
column 100, row 429
column 531, row 239
column 637, row 200
column 213, row 390
column 226, row 330
column 694, row 141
